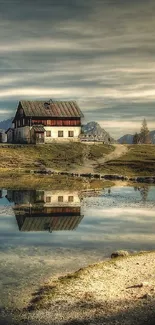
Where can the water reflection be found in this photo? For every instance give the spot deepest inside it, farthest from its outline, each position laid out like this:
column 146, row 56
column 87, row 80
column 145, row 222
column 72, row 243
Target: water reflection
column 144, row 191
column 1, row 194
column 38, row 210
column 116, row 218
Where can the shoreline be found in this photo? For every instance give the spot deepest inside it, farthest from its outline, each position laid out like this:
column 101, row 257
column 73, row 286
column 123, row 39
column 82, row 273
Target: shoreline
column 65, row 180
column 116, row 291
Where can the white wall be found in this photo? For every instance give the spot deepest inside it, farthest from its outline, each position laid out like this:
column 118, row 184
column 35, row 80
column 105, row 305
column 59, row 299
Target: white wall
column 54, row 133
column 54, row 198
column 4, row 137
column 22, row 134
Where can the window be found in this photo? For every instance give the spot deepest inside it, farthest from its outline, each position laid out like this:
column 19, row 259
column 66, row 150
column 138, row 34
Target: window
column 70, row 198
column 48, row 133
column 48, row 199
column 60, row 198
column 71, row 134
column 60, row 134
column 48, row 122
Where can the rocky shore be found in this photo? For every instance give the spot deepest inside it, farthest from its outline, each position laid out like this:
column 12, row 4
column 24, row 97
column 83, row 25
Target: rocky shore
column 117, row 291
column 136, row 179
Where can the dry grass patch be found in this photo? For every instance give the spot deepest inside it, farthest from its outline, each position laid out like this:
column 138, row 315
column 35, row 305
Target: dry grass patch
column 61, row 156
column 138, row 161
column 19, row 180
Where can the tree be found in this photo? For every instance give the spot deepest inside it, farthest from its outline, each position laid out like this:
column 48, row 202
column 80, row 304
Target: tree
column 144, row 191
column 136, row 138
column 145, row 133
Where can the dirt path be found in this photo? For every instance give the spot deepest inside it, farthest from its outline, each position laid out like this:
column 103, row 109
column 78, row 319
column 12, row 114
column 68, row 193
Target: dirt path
column 90, row 165
column 118, row 291
column 119, row 151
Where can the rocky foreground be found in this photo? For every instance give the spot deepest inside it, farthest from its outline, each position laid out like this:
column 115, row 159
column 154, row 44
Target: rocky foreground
column 118, row 291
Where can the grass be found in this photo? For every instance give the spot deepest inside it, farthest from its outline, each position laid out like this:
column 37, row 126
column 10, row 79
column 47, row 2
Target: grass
column 98, row 151
column 56, row 182
column 62, row 156
column 138, row 161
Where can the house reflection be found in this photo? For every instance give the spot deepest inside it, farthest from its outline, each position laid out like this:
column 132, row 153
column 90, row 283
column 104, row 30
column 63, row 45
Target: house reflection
column 37, row 210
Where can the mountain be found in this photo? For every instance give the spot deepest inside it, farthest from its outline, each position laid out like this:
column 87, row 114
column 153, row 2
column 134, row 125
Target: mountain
column 4, row 125
column 128, row 138
column 93, row 131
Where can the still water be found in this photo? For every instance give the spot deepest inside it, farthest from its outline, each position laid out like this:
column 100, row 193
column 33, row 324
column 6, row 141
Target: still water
column 44, row 233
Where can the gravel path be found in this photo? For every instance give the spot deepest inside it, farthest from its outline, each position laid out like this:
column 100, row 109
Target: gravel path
column 119, row 291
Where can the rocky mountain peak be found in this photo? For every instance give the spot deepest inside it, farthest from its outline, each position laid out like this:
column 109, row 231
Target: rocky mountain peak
column 92, row 131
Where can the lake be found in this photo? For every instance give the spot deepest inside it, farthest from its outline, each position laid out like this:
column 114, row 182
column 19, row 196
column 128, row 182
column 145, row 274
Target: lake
column 45, row 233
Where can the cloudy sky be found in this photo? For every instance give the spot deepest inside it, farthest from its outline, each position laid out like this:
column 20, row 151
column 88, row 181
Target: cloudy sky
column 98, row 52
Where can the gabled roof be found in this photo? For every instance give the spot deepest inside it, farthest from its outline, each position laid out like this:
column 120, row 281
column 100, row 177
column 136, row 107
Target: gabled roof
column 38, row 223
column 9, row 129
column 38, row 128
column 50, row 109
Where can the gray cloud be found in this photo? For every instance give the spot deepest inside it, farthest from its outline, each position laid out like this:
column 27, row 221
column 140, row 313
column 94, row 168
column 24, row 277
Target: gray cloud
column 100, row 53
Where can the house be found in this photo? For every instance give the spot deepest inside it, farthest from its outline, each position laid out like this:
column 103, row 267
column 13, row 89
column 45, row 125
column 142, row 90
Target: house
column 10, row 135
column 38, row 210
column 44, row 122
column 3, row 137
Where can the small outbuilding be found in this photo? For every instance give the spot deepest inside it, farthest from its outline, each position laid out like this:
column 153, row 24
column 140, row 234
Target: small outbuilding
column 3, row 136
column 10, row 135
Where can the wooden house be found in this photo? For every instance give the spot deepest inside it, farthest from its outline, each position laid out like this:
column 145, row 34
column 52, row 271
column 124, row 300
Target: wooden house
column 43, row 122
column 37, row 210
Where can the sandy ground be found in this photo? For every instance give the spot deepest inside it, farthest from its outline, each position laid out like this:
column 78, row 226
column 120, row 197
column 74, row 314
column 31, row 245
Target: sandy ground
column 119, row 291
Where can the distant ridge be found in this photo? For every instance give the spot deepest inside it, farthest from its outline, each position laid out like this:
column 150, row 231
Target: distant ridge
column 4, row 125
column 128, row 138
column 93, row 131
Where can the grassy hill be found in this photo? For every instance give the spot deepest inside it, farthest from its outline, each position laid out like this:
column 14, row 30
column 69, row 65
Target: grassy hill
column 138, row 161
column 17, row 160
column 57, row 156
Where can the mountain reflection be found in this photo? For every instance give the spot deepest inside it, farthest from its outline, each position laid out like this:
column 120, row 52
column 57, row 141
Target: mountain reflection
column 38, row 210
